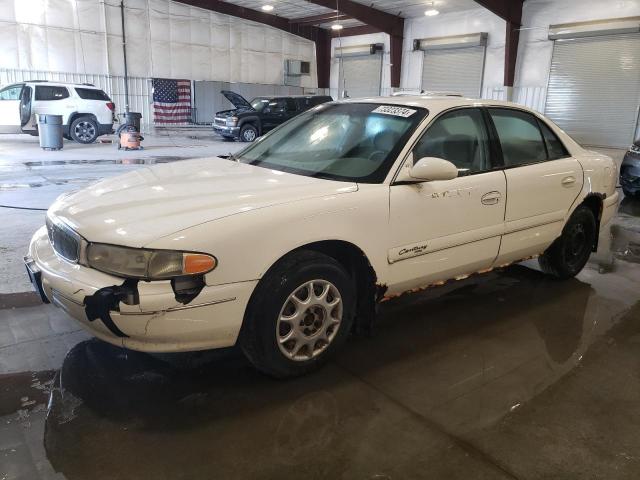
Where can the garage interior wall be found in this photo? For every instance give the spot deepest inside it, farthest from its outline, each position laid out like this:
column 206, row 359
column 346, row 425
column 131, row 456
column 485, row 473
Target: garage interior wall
column 385, row 77
column 451, row 24
column 458, row 70
column 165, row 39
column 535, row 49
column 594, row 88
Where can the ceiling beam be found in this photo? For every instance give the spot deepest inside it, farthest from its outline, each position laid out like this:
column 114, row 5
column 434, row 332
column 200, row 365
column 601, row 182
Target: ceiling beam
column 386, row 22
column 353, row 31
column 320, row 36
column 323, row 18
column 511, row 12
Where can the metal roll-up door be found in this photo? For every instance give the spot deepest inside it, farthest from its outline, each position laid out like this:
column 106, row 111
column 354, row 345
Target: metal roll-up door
column 594, row 88
column 457, row 70
column 360, row 75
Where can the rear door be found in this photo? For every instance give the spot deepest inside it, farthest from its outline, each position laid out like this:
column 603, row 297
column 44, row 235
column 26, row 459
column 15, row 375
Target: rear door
column 543, row 181
column 52, row 100
column 10, row 108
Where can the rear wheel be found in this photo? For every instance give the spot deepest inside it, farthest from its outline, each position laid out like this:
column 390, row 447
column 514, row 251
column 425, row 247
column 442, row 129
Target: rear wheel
column 248, row 133
column 84, row 130
column 568, row 255
column 300, row 313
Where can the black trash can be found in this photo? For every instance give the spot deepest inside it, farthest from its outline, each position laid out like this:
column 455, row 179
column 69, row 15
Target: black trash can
column 133, row 119
column 50, row 131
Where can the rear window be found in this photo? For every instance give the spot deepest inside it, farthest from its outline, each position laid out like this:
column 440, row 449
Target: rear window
column 92, row 94
column 48, row 92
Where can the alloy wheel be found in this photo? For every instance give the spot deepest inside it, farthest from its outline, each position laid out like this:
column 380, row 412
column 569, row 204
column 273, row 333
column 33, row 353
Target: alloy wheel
column 309, row 320
column 85, row 131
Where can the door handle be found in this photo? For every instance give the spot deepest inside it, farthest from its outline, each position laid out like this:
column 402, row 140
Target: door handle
column 491, row 198
column 568, row 181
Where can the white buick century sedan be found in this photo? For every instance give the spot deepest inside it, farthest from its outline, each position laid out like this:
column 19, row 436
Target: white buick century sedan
column 288, row 246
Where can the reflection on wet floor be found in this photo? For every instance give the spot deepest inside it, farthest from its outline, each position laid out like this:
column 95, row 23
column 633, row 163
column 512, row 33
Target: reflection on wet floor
column 507, row 375
column 114, row 161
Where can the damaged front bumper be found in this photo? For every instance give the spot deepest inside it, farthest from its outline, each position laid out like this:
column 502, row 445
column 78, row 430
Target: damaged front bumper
column 143, row 316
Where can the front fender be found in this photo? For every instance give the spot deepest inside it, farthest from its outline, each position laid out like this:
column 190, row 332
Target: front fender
column 248, row 244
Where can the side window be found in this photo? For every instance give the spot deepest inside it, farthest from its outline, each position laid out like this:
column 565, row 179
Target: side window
column 460, row 137
column 519, row 136
column 46, row 92
column 291, row 105
column 554, row 146
column 279, row 105
column 11, row 93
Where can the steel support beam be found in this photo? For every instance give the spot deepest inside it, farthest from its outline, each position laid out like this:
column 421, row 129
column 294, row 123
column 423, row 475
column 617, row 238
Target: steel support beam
column 353, row 31
column 318, row 19
column 511, row 12
column 386, row 22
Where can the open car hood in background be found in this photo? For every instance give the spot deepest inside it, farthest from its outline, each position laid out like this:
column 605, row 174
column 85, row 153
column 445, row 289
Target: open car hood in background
column 237, row 100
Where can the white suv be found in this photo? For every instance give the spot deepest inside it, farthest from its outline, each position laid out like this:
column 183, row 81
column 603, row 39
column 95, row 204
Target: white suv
column 87, row 112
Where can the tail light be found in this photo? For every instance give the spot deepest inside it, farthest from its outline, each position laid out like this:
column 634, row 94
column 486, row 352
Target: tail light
column 111, row 106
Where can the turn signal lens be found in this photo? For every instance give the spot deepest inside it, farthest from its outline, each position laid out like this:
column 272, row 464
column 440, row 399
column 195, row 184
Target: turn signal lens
column 194, row 263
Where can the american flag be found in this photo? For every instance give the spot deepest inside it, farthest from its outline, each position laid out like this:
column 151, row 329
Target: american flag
column 171, row 100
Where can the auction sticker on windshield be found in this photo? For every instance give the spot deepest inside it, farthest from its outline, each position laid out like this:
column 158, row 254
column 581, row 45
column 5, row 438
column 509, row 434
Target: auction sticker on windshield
column 395, row 111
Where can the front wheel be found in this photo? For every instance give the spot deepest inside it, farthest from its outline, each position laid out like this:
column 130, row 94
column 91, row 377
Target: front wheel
column 568, row 255
column 300, row 313
column 248, row 133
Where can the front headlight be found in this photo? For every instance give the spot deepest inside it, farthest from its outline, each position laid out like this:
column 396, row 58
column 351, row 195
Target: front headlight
column 147, row 264
column 232, row 121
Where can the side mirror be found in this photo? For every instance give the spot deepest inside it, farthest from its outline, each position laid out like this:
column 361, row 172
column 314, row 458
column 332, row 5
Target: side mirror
column 428, row 169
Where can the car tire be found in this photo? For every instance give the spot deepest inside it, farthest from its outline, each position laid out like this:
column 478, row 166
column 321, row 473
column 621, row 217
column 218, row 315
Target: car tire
column 226, row 138
column 248, row 133
column 84, row 129
column 284, row 336
column 568, row 255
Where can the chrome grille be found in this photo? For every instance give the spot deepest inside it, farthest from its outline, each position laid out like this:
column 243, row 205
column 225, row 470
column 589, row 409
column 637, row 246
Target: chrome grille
column 65, row 241
column 220, row 122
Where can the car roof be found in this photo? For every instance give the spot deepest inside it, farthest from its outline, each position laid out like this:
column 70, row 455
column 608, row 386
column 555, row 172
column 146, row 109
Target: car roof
column 436, row 103
column 66, row 84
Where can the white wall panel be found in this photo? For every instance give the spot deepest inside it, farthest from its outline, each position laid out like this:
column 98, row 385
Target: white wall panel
column 334, row 81
column 455, row 23
column 9, row 40
column 164, row 39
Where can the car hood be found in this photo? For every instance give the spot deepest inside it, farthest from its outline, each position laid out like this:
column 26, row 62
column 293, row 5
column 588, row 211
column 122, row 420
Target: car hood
column 139, row 207
column 237, row 100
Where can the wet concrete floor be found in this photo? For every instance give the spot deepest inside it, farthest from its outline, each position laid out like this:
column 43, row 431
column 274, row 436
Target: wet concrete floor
column 507, row 375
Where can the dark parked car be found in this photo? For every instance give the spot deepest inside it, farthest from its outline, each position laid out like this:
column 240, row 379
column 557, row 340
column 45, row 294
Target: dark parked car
column 249, row 120
column 630, row 171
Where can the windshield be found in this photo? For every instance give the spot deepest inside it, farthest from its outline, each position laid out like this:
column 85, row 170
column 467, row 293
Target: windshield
column 259, row 103
column 355, row 142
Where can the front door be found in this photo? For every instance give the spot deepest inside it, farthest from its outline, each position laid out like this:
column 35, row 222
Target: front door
column 444, row 229
column 543, row 181
column 10, row 109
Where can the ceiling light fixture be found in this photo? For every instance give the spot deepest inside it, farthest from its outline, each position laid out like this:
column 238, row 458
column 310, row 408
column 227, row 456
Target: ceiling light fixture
column 267, row 8
column 336, row 26
column 431, row 12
